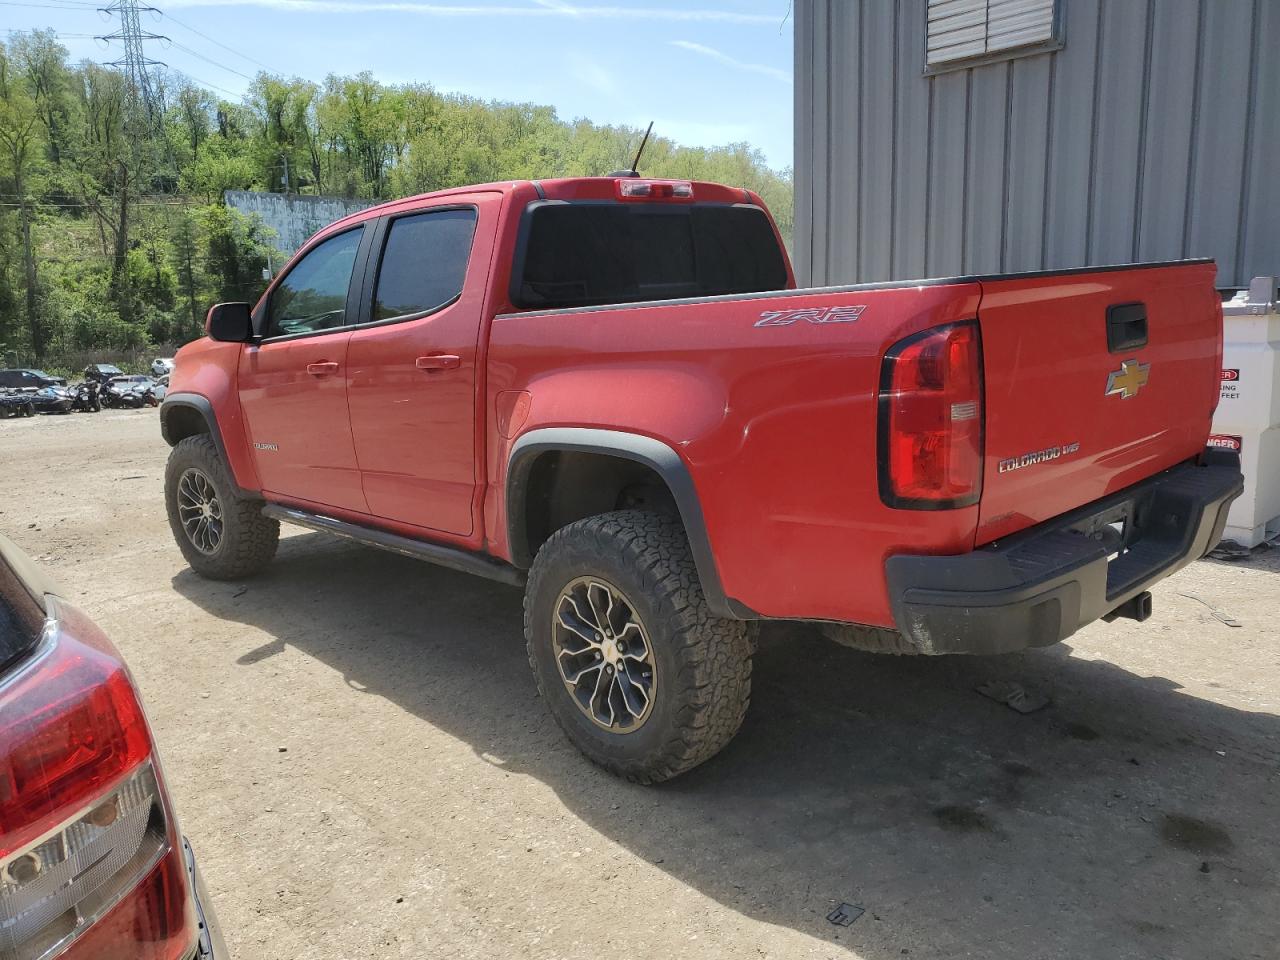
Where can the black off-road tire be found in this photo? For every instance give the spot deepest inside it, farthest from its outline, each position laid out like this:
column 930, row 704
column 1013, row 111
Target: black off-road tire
column 248, row 540
column 703, row 662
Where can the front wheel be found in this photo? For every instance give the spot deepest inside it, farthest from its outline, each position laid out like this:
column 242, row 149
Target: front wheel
column 633, row 665
column 222, row 535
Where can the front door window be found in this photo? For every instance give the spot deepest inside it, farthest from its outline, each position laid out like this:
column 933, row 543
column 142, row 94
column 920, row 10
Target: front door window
column 313, row 295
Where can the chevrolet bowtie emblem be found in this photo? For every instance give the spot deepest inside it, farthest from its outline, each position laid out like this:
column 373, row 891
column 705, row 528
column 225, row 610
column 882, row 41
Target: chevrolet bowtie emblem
column 1128, row 380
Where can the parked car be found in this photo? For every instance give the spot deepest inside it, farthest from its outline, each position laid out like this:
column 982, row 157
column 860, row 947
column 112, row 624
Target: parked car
column 161, row 366
column 53, row 400
column 16, row 405
column 102, row 372
column 92, row 863
column 600, row 389
column 17, row 379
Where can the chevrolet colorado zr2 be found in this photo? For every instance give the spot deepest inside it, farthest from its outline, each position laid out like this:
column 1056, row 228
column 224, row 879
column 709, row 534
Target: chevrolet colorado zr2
column 608, row 390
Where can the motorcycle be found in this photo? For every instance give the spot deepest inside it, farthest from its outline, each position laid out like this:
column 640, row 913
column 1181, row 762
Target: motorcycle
column 121, row 396
column 86, row 397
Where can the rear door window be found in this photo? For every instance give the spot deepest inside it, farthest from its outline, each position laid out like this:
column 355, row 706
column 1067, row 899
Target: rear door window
column 424, row 263
column 584, row 254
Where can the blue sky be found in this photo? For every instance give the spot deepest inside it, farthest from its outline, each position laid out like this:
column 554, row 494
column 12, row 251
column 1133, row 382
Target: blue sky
column 707, row 71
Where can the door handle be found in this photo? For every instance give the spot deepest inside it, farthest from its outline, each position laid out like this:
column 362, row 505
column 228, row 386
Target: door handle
column 322, row 368
column 438, row 361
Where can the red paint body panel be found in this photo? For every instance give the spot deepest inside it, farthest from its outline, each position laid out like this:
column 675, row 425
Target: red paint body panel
column 777, row 424
column 1044, row 343
column 301, row 419
column 210, row 369
column 415, row 429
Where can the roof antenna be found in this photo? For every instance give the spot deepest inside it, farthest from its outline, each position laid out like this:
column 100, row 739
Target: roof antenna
column 635, row 164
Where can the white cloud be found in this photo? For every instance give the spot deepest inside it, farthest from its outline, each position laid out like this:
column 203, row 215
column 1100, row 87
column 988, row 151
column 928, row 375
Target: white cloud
column 711, row 53
column 591, row 74
column 541, row 8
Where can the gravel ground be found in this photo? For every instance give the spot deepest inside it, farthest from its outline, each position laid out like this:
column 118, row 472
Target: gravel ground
column 356, row 749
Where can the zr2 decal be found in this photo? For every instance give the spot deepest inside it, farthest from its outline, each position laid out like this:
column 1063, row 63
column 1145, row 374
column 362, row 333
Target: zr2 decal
column 784, row 318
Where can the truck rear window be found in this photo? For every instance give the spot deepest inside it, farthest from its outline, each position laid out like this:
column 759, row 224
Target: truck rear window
column 584, row 254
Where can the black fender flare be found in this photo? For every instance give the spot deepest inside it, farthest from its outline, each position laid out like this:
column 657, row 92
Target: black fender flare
column 201, row 405
column 654, row 454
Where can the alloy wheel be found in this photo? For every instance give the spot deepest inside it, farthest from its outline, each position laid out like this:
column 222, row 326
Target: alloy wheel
column 200, row 511
column 603, row 652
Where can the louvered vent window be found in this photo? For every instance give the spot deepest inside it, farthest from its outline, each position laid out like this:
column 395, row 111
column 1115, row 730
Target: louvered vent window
column 968, row 30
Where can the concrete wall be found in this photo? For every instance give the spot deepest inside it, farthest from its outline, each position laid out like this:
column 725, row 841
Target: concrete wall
column 1153, row 134
column 292, row 217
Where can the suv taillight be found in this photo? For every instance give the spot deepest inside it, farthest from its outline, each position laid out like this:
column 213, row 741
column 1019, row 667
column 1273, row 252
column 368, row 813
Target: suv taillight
column 86, row 833
column 931, row 419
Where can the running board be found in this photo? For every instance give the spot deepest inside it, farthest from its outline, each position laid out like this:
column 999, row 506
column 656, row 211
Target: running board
column 451, row 557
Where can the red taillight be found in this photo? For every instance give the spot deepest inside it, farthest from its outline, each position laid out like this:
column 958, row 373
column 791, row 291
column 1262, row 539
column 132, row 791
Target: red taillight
column 654, row 190
column 931, row 419
column 68, row 731
column 85, row 826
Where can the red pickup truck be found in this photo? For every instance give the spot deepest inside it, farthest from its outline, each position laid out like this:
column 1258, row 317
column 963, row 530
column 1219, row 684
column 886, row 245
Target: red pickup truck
column 607, row 390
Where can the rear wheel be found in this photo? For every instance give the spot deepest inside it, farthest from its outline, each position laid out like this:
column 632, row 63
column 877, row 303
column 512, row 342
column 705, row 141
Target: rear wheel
column 634, row 667
column 222, row 535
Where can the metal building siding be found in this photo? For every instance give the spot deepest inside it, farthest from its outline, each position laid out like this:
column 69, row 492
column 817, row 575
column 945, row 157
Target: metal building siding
column 1154, row 133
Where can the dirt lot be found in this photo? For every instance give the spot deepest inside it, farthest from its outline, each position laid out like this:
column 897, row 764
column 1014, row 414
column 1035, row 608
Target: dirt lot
column 364, row 769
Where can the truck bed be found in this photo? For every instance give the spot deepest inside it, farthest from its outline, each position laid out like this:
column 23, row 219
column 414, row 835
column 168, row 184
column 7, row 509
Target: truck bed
column 771, row 400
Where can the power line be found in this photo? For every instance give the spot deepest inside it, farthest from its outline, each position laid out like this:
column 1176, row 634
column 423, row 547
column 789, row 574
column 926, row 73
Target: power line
column 93, row 36
column 216, row 43
column 34, row 204
column 201, row 56
column 75, row 5
column 206, row 83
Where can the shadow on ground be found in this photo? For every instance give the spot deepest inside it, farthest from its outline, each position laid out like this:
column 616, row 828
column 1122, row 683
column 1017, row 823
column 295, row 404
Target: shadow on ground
column 1107, row 825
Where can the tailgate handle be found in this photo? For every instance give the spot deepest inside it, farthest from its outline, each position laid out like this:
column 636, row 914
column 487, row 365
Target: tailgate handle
column 1126, row 327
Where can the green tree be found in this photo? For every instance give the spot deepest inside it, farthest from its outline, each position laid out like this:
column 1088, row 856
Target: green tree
column 18, row 139
column 113, row 229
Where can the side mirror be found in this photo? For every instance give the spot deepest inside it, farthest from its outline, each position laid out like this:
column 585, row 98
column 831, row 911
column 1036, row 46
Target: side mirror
column 229, row 322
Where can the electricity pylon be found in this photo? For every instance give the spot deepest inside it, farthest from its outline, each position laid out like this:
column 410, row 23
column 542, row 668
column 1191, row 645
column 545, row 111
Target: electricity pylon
column 135, row 62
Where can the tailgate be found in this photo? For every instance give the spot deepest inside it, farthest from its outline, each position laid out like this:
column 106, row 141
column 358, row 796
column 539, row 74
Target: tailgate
column 1080, row 401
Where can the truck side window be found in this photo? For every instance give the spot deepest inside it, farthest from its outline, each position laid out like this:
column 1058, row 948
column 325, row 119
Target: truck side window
column 424, row 263
column 313, row 294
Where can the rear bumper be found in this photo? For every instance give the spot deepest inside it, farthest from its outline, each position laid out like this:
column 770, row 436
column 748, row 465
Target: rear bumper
column 1042, row 585
column 211, row 945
